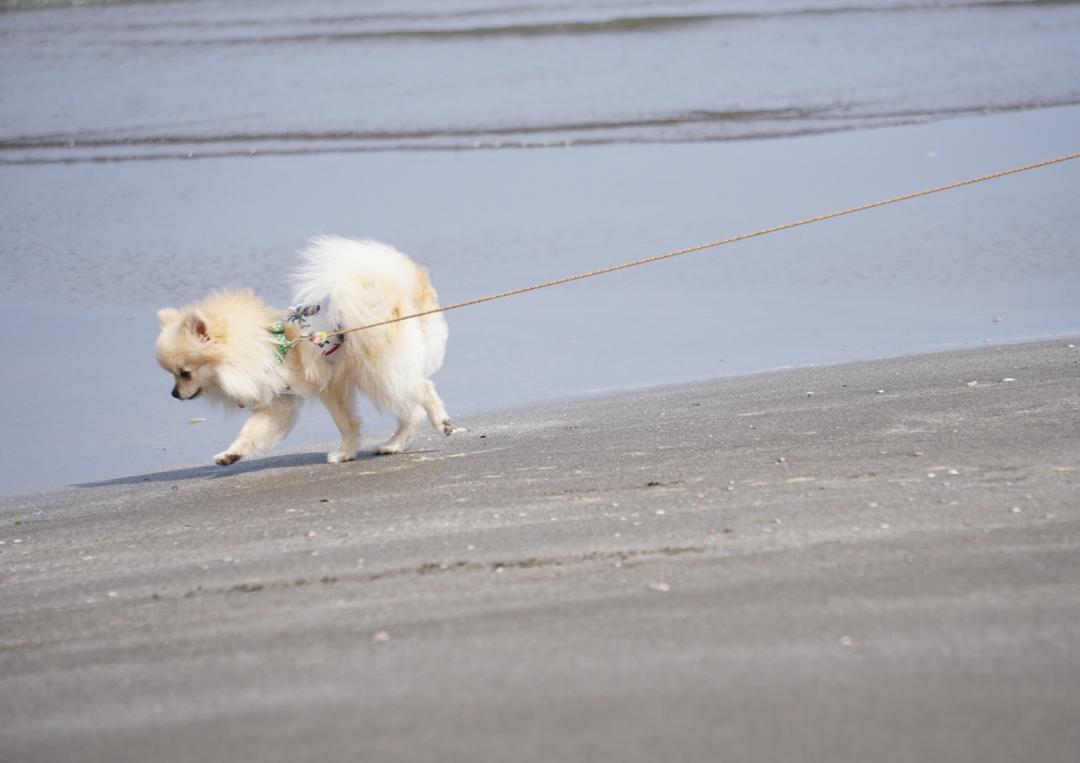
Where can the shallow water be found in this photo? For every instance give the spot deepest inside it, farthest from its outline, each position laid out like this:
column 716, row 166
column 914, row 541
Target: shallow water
column 312, row 118
column 227, row 78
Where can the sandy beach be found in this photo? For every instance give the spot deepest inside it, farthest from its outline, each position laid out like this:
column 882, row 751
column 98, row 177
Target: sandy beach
column 866, row 561
column 813, row 496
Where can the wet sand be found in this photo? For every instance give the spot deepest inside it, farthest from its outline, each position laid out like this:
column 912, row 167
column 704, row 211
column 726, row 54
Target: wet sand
column 873, row 561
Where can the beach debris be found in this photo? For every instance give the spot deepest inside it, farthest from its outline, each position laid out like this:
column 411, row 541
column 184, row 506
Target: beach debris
column 954, row 472
column 660, row 512
column 1008, row 379
column 781, row 460
column 1016, row 510
column 809, row 393
column 310, row 534
column 661, row 587
column 326, row 500
column 880, row 392
column 847, row 641
column 197, row 420
column 380, row 636
column 971, row 384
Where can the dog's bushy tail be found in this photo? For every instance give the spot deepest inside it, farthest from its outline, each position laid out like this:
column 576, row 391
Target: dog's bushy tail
column 363, row 282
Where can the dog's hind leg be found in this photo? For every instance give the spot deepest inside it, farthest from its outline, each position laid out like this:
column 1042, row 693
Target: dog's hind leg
column 339, row 401
column 262, row 431
column 425, row 400
column 435, row 409
column 408, row 426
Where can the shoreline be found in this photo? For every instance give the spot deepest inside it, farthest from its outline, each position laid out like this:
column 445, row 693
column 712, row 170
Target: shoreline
column 311, row 451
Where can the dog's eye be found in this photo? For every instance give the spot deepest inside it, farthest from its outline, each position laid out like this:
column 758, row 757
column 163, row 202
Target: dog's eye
column 185, row 375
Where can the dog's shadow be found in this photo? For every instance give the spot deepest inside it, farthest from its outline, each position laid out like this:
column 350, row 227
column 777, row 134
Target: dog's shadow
column 213, row 471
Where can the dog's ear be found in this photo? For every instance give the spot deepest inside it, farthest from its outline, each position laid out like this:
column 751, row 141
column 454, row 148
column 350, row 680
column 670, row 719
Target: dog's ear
column 198, row 325
column 167, row 316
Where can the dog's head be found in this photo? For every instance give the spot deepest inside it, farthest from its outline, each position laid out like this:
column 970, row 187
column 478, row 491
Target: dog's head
column 223, row 347
column 188, row 348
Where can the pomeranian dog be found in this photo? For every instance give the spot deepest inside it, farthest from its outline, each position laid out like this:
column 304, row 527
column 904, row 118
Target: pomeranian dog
column 233, row 347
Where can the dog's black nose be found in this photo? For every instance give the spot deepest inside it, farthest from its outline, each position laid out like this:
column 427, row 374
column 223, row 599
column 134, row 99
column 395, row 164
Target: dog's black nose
column 176, row 391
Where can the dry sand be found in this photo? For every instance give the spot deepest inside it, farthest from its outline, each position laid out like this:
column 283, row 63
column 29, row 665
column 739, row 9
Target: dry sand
column 877, row 561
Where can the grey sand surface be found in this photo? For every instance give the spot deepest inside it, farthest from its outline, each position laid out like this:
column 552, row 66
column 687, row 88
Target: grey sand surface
column 875, row 561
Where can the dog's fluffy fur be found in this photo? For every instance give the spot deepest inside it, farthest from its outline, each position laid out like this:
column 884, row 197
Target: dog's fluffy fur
column 222, row 347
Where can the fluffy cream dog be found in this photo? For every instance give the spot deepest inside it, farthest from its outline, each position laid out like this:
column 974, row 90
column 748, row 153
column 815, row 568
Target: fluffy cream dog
column 228, row 347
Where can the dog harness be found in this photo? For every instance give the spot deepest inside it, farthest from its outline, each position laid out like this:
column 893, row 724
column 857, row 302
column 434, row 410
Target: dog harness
column 317, row 328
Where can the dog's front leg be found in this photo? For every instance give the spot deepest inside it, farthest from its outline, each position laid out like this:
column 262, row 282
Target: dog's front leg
column 262, row 431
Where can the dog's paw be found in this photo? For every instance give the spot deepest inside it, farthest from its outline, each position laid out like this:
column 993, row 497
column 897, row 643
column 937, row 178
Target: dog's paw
column 387, row 450
column 447, row 428
column 225, row 458
column 340, row 457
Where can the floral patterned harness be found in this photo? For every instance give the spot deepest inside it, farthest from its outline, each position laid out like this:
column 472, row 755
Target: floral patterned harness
column 315, row 321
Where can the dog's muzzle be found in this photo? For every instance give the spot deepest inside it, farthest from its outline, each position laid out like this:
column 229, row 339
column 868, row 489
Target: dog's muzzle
column 176, row 393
